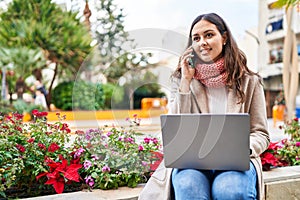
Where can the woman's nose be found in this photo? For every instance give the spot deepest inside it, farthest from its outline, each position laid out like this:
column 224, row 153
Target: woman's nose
column 202, row 42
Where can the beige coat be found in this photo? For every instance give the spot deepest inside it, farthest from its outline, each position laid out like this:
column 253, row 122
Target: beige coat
column 159, row 185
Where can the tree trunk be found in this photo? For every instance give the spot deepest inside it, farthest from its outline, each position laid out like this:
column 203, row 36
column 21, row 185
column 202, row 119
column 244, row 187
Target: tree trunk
column 290, row 70
column 49, row 96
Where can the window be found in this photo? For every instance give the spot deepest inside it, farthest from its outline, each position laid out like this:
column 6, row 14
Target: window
column 276, row 55
column 274, row 26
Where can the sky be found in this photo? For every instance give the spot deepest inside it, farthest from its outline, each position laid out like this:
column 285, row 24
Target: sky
column 240, row 15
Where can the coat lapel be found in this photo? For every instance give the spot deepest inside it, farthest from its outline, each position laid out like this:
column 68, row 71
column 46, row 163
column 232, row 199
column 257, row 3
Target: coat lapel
column 232, row 102
column 199, row 91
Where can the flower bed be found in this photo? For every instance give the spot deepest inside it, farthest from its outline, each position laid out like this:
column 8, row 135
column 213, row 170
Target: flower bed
column 285, row 152
column 37, row 158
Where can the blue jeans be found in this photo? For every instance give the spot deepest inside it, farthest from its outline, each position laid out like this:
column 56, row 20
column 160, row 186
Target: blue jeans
column 192, row 184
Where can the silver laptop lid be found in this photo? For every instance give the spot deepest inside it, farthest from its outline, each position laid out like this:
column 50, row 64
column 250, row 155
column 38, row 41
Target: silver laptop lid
column 206, row 141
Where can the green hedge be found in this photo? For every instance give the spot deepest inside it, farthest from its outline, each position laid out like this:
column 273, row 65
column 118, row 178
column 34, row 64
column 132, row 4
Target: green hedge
column 79, row 95
column 82, row 95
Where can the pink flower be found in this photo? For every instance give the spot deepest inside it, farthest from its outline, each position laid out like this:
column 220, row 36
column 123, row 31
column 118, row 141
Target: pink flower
column 129, row 140
column 297, row 144
column 144, row 163
column 105, row 169
column 109, row 134
column 154, row 140
column 79, row 152
column 147, row 140
column 141, row 148
column 90, row 181
column 87, row 164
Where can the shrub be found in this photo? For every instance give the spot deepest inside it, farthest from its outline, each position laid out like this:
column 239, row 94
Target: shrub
column 38, row 156
column 79, row 95
column 26, row 147
column 285, row 152
column 114, row 157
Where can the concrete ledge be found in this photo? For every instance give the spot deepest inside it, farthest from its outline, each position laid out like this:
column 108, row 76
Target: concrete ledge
column 123, row 193
column 282, row 183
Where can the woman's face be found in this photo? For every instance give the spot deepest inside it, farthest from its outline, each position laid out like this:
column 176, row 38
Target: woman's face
column 207, row 41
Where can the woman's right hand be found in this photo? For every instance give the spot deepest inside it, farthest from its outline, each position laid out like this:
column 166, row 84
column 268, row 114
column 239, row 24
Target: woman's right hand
column 187, row 71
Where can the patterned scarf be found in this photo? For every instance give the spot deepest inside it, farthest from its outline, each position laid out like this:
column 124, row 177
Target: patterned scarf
column 211, row 75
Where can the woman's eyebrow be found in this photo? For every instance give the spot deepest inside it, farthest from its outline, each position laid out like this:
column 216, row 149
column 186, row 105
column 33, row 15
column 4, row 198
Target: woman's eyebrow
column 209, row 30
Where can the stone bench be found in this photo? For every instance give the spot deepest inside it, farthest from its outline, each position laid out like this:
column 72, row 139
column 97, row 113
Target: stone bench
column 280, row 183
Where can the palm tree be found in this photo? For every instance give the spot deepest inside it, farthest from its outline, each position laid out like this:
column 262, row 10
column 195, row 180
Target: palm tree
column 290, row 75
column 63, row 39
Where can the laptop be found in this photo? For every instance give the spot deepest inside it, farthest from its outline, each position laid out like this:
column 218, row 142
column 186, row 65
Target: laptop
column 206, row 141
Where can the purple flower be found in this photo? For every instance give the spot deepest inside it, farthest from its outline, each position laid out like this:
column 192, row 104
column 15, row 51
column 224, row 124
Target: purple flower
column 88, row 136
column 144, row 163
column 109, row 134
column 94, row 157
column 105, row 169
column 90, row 181
column 87, row 164
column 297, row 144
column 129, row 140
column 78, row 152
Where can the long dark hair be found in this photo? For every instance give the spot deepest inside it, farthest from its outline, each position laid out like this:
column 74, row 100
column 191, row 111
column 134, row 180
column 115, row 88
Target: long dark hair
column 235, row 59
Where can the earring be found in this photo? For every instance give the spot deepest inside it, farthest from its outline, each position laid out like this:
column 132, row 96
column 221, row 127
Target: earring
column 224, row 43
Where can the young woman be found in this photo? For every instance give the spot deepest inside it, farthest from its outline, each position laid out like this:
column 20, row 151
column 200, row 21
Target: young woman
column 212, row 77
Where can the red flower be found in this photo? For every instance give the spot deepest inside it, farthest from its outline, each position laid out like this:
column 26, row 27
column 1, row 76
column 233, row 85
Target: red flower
column 60, row 173
column 269, row 158
column 19, row 128
column 296, row 119
column 42, row 146
column 36, row 113
column 31, row 140
column 158, row 157
column 53, row 147
column 65, row 127
column 20, row 147
column 18, row 116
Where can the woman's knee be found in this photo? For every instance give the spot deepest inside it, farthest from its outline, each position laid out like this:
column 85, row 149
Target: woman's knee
column 188, row 178
column 191, row 183
column 234, row 185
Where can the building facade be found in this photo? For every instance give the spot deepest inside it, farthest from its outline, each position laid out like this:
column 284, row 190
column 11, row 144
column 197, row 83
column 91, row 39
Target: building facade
column 271, row 33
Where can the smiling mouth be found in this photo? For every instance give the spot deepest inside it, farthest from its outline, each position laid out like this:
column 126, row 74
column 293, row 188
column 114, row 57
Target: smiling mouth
column 204, row 51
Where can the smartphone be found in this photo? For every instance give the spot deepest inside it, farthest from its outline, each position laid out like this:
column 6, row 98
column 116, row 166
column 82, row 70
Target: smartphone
column 192, row 60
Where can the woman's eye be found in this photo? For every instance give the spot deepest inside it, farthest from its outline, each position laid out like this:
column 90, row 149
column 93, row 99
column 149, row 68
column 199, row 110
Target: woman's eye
column 196, row 39
column 209, row 35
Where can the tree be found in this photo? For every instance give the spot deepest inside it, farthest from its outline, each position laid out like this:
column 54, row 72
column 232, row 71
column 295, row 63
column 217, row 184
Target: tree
column 290, row 76
column 64, row 40
column 114, row 57
column 23, row 62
